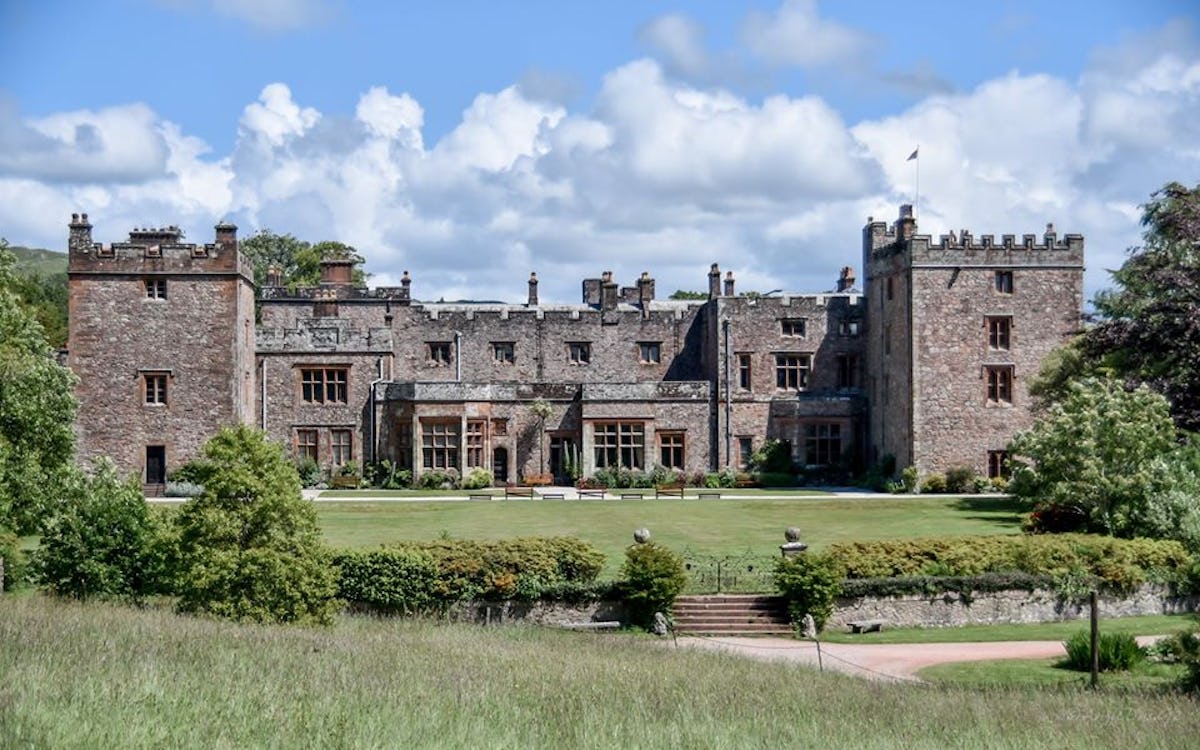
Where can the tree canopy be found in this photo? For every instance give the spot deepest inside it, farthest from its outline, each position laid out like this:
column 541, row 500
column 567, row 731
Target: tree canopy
column 298, row 261
column 37, row 410
column 1149, row 327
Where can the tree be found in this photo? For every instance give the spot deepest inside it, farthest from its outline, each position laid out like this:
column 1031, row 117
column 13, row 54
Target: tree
column 1112, row 453
column 687, row 294
column 1150, row 331
column 299, row 262
column 37, row 411
column 101, row 540
column 250, row 548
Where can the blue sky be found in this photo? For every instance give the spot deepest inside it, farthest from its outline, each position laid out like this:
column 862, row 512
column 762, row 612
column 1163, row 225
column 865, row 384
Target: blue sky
column 472, row 142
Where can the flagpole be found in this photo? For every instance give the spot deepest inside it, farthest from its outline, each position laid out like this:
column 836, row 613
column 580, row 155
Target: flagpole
column 917, row 200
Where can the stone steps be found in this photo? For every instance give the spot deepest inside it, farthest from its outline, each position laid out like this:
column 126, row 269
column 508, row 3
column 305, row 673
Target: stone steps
column 731, row 614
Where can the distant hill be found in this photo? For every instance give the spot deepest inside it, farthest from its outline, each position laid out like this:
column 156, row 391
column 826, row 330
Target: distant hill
column 31, row 260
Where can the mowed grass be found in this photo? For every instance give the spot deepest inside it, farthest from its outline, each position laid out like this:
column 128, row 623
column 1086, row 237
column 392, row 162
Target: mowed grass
column 1030, row 631
column 710, row 527
column 76, row 675
column 1046, row 673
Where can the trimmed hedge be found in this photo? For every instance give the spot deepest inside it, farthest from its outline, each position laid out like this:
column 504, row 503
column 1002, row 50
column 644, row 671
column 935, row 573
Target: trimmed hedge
column 421, row 576
column 1119, row 564
column 929, row 585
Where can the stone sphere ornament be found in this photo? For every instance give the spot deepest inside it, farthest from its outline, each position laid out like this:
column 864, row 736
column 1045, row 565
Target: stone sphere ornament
column 641, row 536
column 792, row 534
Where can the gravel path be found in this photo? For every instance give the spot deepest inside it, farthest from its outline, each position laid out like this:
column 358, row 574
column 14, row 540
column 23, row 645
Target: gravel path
column 891, row 662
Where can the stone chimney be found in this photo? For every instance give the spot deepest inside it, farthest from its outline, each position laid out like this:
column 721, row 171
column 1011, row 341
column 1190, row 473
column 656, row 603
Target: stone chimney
column 645, row 289
column 1051, row 236
column 226, row 236
column 714, row 281
column 405, row 287
column 591, row 292
column 609, row 293
column 846, row 280
column 729, row 284
column 906, row 225
column 337, row 272
column 533, row 295
column 274, row 275
column 79, row 239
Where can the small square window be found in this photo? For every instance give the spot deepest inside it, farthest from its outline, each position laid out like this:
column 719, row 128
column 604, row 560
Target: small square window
column 849, row 327
column 579, row 352
column 155, row 387
column 437, row 353
column 323, row 385
column 999, row 384
column 670, row 450
column 306, row 444
column 156, row 288
column 791, row 371
column 1004, row 282
column 999, row 332
column 503, row 352
column 793, row 327
column 650, row 352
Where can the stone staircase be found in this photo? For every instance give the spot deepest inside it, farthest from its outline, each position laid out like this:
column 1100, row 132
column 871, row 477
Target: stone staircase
column 731, row 614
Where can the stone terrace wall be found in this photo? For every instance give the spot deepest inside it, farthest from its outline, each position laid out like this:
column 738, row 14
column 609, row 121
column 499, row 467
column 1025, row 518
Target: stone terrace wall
column 950, row 609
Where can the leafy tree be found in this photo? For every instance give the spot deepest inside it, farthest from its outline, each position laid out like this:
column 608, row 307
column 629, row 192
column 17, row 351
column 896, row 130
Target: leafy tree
column 652, row 576
column 686, row 294
column 101, row 540
column 299, row 262
column 250, row 548
column 1150, row 332
column 1112, row 453
column 810, row 583
column 37, row 411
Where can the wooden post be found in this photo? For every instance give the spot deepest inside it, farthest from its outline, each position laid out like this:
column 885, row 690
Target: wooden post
column 1095, row 641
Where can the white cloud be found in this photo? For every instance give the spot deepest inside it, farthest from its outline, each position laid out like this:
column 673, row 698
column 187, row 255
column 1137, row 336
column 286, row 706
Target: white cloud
column 275, row 117
column 679, row 42
column 797, row 35
column 390, row 116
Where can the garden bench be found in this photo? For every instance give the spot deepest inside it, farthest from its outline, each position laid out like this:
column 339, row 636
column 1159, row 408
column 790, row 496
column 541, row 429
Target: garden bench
column 669, row 490
column 866, row 626
column 592, row 492
column 552, row 495
column 702, row 494
column 480, row 496
column 632, row 494
column 511, row 491
column 345, row 482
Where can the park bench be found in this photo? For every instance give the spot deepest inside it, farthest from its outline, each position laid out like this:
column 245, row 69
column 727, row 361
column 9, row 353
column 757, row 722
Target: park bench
column 480, row 495
column 512, row 490
column 590, row 488
column 669, row 490
column 707, row 493
column 552, row 495
column 348, row 482
column 866, row 626
column 631, row 494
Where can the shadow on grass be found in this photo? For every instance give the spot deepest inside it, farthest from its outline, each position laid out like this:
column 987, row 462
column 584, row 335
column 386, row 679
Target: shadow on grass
column 1002, row 510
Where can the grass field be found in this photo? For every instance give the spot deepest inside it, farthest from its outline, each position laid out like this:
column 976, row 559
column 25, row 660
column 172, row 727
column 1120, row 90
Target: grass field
column 712, row 527
column 1045, row 673
column 1030, row 631
column 98, row 676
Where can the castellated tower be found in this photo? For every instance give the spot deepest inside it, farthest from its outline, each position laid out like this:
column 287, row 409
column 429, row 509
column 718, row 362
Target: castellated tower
column 162, row 339
column 956, row 329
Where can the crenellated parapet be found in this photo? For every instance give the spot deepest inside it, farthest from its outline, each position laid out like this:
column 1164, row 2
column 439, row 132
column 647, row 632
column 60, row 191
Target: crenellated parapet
column 154, row 251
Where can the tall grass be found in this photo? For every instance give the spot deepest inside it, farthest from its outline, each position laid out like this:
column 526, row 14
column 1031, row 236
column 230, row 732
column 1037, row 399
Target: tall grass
column 98, row 676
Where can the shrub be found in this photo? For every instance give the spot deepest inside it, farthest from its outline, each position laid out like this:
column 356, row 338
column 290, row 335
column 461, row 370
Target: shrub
column 249, row 546
column 960, row 480
column 308, row 472
column 651, row 577
column 1184, row 648
column 387, row 475
column 182, row 489
column 348, row 469
column 772, row 457
column 934, row 484
column 775, row 479
column 477, row 479
column 438, row 479
column 388, row 580
column 909, row 480
column 13, row 559
column 100, row 540
column 928, row 585
column 810, row 583
column 1118, row 652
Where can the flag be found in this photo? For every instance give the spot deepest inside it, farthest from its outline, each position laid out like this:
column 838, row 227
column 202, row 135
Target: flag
column 913, row 155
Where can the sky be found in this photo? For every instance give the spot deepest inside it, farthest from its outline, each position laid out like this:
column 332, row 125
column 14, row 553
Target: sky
column 473, row 142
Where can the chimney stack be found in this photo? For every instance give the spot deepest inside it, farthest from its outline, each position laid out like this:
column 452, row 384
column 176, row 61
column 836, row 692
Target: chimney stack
column 79, row 240
column 533, row 294
column 729, row 284
column 274, row 275
column 405, row 291
column 226, row 236
column 906, row 225
column 645, row 289
column 846, row 280
column 608, row 292
column 714, row 281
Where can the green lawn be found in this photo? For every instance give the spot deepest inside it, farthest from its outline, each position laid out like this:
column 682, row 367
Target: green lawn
column 93, row 675
column 749, row 491
column 712, row 527
column 1043, row 673
column 1033, row 631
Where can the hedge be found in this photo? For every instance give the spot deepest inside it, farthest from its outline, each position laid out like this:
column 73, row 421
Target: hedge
column 1119, row 564
column 421, row 576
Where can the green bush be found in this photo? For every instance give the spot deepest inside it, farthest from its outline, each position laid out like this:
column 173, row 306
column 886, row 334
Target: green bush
column 100, row 541
column 651, row 577
column 934, row 484
column 477, row 479
column 14, row 560
column 388, row 580
column 387, row 475
column 249, row 546
column 1184, row 648
column 772, row 457
column 929, row 585
column 960, row 480
column 309, row 472
column 777, row 479
column 1118, row 652
column 1117, row 564
column 438, row 479
column 809, row 583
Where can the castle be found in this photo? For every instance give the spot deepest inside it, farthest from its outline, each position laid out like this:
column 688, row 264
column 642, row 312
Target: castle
column 927, row 362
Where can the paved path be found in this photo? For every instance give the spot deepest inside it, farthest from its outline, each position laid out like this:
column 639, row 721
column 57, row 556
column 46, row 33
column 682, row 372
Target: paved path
column 882, row 661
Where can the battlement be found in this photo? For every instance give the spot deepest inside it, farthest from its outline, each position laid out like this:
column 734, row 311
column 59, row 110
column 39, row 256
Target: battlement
column 963, row 248
column 154, row 251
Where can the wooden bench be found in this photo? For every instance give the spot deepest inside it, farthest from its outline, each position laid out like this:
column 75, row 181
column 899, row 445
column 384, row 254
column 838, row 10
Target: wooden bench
column 866, row 626
column 481, row 496
column 345, row 482
column 511, row 491
column 702, row 494
column 669, row 490
column 552, row 495
column 599, row 492
column 632, row 494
